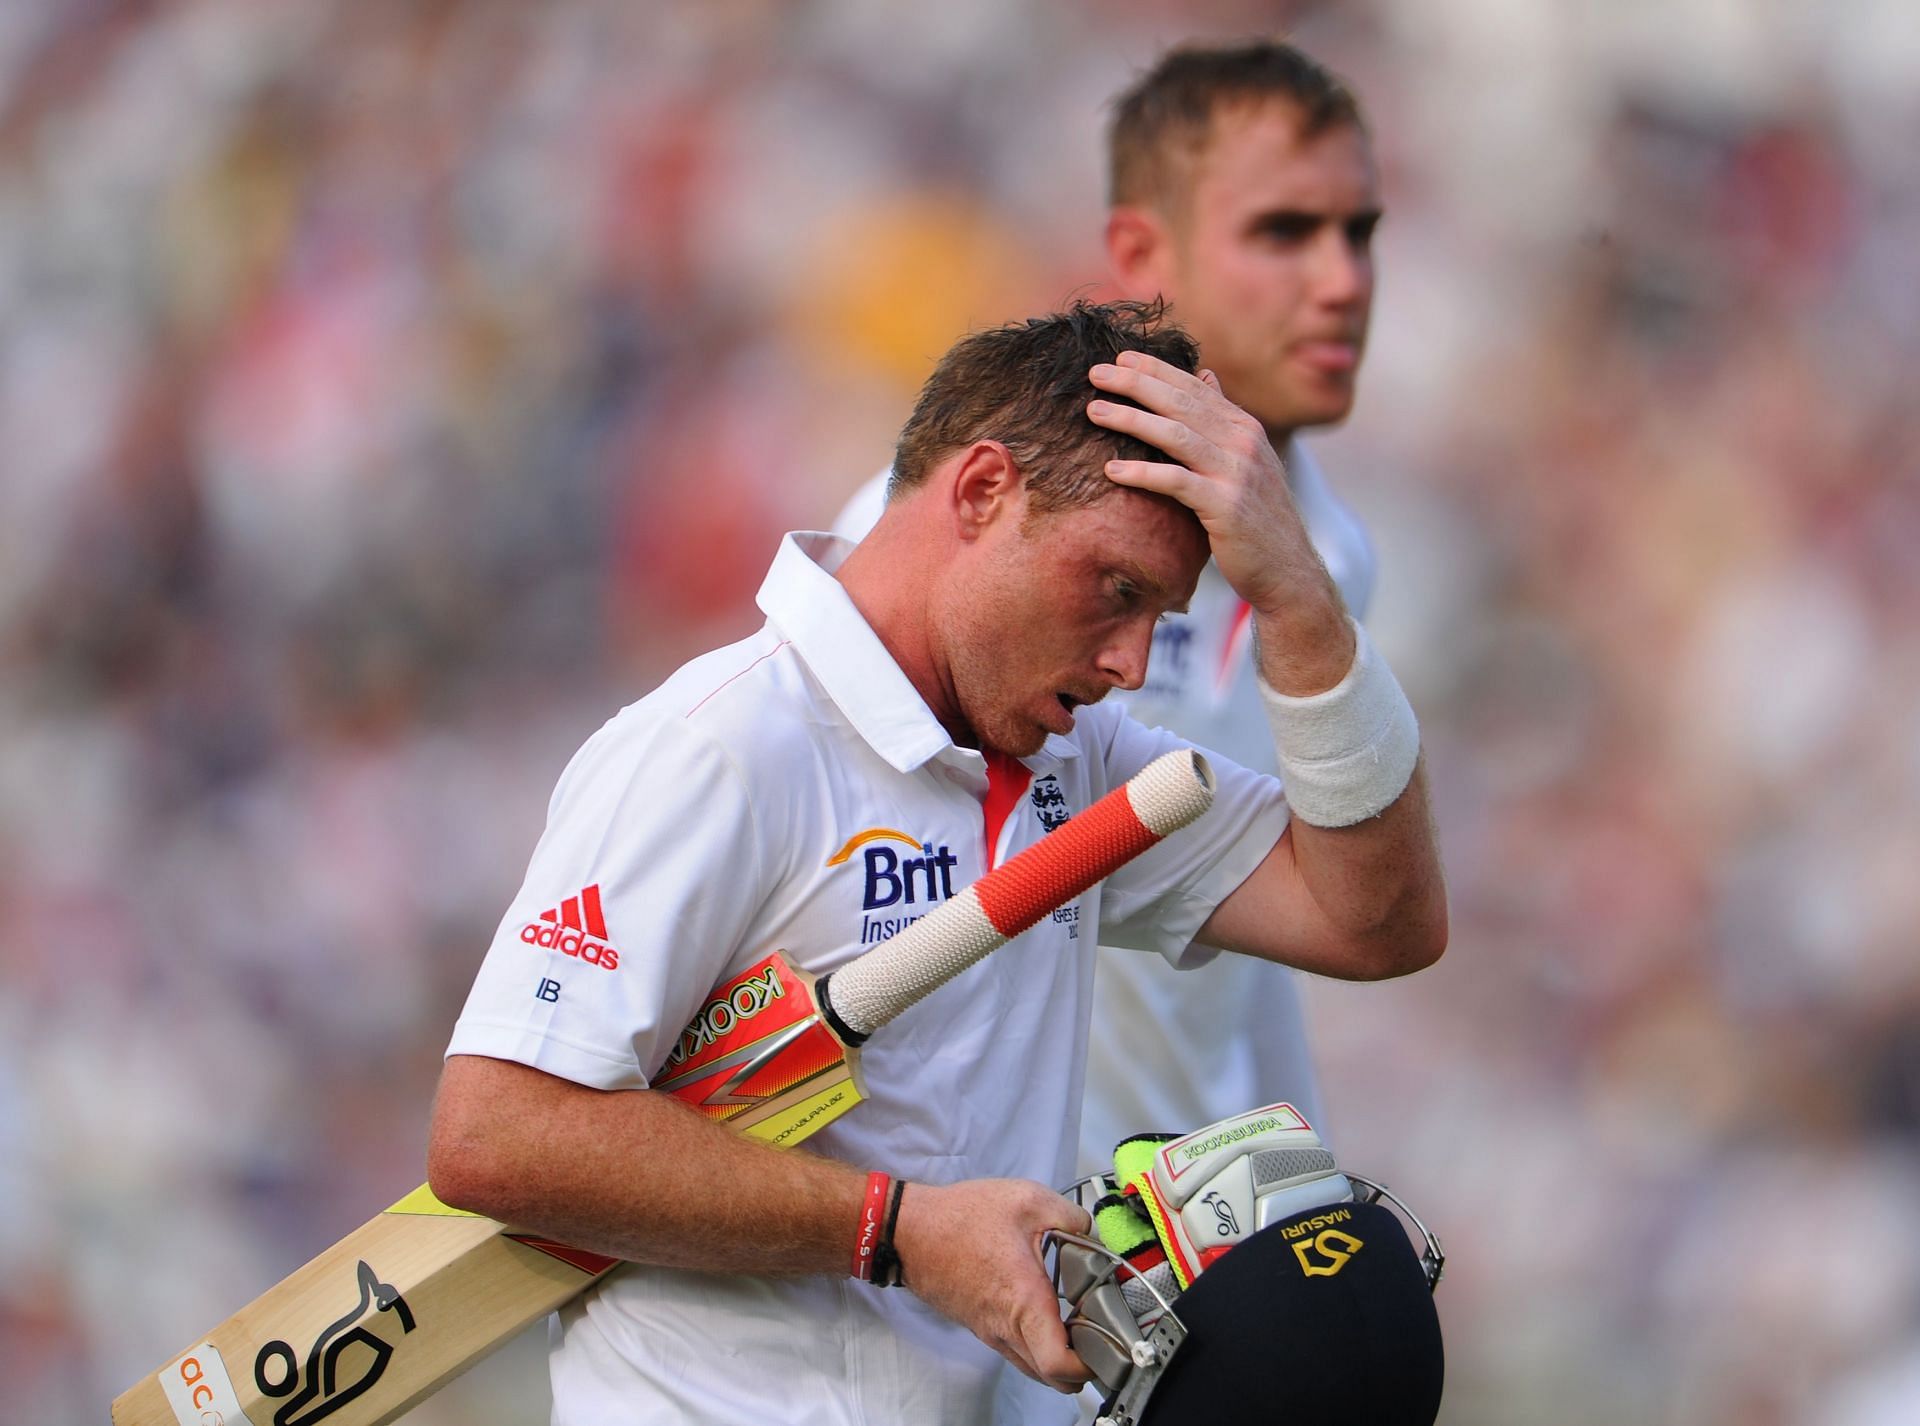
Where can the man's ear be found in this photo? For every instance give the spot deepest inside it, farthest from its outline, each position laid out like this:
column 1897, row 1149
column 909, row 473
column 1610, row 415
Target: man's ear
column 1139, row 251
column 987, row 487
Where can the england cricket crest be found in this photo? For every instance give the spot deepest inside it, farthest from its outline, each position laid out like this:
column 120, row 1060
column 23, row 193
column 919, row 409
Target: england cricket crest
column 1049, row 802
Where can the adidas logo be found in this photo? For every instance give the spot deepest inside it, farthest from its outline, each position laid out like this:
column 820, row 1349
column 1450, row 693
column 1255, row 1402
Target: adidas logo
column 575, row 928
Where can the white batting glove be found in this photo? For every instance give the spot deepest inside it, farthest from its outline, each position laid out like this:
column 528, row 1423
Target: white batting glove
column 1207, row 1190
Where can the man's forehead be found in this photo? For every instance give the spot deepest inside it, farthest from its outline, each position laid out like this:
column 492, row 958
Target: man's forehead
column 1172, row 587
column 1152, row 539
column 1265, row 140
column 1278, row 129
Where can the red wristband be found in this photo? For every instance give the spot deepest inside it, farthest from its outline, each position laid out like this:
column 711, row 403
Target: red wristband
column 873, row 1215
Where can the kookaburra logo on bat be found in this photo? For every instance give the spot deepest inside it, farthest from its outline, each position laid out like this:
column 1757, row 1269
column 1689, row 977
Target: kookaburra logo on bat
column 323, row 1393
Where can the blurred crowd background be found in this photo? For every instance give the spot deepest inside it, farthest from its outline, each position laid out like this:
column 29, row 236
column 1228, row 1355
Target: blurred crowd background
column 388, row 392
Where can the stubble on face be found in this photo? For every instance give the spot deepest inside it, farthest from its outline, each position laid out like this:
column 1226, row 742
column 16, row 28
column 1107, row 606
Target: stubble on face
column 1028, row 633
column 984, row 673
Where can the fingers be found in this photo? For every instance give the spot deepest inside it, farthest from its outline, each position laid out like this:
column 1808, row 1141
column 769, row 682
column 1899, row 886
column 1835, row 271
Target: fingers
column 1207, row 439
column 1044, row 1334
column 1075, row 1220
column 1045, row 1343
column 1221, row 465
column 1190, row 454
column 1152, row 368
column 1175, row 480
column 1190, row 400
column 1179, row 439
column 1035, row 1341
column 971, row 1252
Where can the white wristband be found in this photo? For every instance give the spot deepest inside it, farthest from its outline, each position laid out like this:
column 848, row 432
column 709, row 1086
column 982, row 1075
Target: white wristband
column 1348, row 753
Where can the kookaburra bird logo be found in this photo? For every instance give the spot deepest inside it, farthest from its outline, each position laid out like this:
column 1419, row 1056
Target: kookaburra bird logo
column 1225, row 1224
column 276, row 1371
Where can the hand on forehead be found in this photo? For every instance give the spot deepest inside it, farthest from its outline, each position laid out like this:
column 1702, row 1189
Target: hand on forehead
column 1182, row 414
column 1219, row 463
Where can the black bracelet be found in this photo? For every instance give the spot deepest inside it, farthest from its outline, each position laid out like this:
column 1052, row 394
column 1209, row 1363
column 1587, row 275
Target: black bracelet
column 888, row 1270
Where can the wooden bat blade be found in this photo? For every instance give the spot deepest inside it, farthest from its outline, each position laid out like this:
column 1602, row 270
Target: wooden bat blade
column 394, row 1310
column 367, row 1329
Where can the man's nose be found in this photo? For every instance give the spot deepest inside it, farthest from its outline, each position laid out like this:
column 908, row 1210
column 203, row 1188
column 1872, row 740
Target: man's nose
column 1342, row 272
column 1124, row 661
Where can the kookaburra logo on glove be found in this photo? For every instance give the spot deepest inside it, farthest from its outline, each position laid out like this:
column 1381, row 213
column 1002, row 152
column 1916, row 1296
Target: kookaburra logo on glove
column 1226, row 1225
column 1176, row 1205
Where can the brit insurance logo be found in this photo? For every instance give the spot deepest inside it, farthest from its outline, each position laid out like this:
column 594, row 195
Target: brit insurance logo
column 903, row 878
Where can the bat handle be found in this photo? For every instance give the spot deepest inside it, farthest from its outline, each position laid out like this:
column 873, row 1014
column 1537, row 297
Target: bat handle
column 848, row 1036
column 1171, row 791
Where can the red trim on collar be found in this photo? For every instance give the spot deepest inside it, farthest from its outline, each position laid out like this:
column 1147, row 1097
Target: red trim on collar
column 1230, row 651
column 1007, row 780
column 742, row 674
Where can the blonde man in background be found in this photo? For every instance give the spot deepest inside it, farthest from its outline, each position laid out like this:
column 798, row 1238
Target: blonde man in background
column 1244, row 192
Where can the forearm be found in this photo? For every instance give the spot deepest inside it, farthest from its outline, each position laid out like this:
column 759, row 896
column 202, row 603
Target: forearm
column 635, row 1174
column 1377, row 886
column 639, row 1176
column 1354, row 889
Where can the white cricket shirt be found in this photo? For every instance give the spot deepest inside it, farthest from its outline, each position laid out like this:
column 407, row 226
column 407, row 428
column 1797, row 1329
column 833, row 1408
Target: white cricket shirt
column 793, row 791
column 1171, row 1052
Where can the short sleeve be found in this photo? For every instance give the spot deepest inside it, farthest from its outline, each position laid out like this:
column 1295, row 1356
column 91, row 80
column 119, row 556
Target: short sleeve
column 639, row 892
column 1158, row 901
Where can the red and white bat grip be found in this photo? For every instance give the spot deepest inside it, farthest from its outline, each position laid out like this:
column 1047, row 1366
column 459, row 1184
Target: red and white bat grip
column 1162, row 797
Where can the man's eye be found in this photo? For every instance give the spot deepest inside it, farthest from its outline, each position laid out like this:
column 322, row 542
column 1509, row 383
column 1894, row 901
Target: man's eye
column 1288, row 227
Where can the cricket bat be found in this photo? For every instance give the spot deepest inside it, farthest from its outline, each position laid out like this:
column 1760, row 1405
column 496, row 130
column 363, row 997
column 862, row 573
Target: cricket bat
column 409, row 1300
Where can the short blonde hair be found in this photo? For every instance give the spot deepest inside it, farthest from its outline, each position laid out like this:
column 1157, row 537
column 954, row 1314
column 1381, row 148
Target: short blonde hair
column 1163, row 121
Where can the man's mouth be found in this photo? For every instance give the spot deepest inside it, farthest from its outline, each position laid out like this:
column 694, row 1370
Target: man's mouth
column 1067, row 703
column 1071, row 702
column 1329, row 354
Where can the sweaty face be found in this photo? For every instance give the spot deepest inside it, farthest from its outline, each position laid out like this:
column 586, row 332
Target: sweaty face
column 1273, row 270
column 1056, row 610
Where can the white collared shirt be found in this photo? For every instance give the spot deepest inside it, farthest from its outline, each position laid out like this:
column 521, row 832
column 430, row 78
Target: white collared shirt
column 1236, row 1037
column 705, row 826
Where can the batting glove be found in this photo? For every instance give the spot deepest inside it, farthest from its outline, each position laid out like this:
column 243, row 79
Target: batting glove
column 1206, row 1191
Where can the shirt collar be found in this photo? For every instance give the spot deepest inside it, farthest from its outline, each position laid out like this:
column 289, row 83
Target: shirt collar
column 812, row 609
column 1298, row 464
